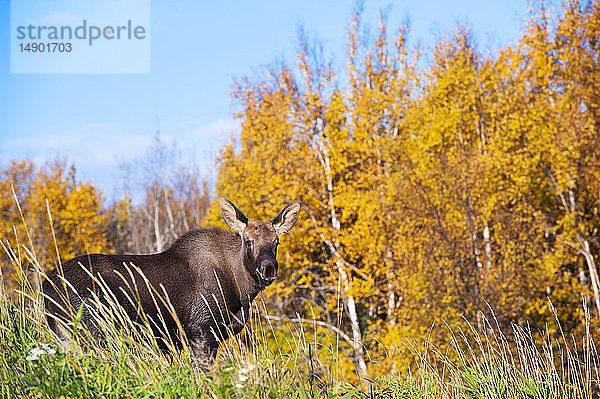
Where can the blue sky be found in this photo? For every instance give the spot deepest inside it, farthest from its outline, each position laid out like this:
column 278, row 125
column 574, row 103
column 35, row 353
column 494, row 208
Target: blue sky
column 197, row 48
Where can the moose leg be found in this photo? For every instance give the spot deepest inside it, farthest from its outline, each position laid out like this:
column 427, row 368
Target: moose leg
column 239, row 319
column 204, row 348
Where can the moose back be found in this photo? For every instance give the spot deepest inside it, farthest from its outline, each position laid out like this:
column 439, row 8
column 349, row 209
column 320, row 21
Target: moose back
column 210, row 277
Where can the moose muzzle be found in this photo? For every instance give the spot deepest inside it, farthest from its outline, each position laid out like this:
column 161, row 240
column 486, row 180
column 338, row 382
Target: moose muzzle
column 267, row 269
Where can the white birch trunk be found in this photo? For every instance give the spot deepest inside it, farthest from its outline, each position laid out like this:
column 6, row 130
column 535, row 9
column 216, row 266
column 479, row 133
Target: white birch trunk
column 157, row 236
column 356, row 333
column 589, row 259
column 488, row 246
column 172, row 232
column 344, row 277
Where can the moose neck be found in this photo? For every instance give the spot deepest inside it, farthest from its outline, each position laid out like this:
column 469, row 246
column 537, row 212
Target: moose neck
column 246, row 279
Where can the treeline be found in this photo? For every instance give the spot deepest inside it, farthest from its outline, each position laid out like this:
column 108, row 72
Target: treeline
column 436, row 190
column 46, row 209
column 51, row 214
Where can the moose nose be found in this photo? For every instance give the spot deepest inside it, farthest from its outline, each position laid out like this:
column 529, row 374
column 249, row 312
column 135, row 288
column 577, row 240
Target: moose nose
column 267, row 267
column 269, row 271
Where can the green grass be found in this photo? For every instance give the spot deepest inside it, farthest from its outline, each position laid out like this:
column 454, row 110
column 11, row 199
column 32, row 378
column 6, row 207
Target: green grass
column 133, row 370
column 276, row 362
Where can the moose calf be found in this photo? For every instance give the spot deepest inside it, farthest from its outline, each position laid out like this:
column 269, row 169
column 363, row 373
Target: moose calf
column 210, row 277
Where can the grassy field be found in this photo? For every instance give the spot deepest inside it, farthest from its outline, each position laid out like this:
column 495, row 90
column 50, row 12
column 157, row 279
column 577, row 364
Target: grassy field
column 33, row 363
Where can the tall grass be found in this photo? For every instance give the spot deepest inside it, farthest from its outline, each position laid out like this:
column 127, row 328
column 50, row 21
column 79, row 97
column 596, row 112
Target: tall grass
column 283, row 360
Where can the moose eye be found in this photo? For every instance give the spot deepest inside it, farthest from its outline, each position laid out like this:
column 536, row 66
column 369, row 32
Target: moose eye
column 249, row 243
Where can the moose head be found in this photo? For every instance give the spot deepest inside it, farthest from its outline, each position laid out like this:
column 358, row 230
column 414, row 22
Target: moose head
column 260, row 239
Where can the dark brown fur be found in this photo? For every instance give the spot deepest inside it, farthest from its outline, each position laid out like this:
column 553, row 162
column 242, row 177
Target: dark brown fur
column 210, row 276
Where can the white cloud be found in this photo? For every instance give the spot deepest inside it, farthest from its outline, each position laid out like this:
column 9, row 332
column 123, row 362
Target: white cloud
column 94, row 145
column 94, row 149
column 203, row 141
column 218, row 131
column 97, row 150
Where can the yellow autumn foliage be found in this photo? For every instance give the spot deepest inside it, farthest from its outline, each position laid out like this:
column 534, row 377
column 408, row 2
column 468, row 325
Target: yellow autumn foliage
column 57, row 213
column 432, row 195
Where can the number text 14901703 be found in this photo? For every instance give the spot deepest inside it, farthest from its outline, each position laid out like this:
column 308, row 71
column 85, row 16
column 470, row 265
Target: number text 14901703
column 45, row 47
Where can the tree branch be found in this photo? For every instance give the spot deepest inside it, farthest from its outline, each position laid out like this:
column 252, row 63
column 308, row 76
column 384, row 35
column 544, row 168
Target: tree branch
column 320, row 323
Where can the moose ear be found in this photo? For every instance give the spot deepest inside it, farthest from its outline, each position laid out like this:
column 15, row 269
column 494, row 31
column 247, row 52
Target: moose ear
column 233, row 216
column 286, row 219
